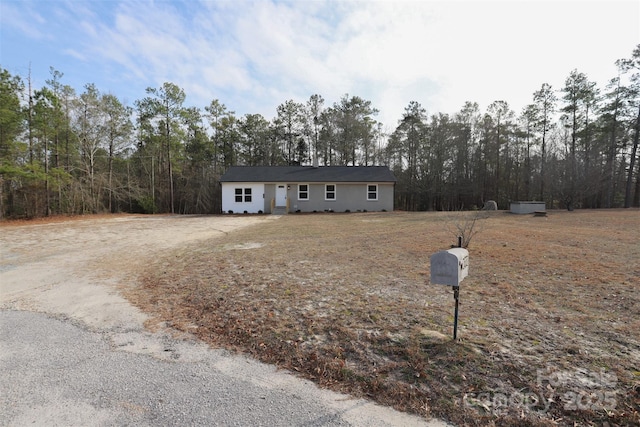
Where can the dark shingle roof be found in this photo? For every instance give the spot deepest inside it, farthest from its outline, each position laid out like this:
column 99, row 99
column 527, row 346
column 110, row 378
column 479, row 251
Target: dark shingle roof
column 308, row 174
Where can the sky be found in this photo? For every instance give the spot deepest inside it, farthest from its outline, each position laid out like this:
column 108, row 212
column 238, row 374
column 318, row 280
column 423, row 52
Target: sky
column 254, row 55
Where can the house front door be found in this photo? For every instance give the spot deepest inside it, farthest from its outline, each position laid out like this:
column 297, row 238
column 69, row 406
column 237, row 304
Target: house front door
column 281, row 195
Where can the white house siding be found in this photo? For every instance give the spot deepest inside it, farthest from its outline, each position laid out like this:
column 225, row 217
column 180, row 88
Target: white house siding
column 229, row 197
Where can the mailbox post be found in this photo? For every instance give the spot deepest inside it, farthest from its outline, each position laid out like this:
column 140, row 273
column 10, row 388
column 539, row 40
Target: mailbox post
column 456, row 297
column 449, row 268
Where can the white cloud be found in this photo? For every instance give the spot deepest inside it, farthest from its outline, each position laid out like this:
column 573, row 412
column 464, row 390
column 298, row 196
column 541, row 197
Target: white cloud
column 252, row 56
column 23, row 18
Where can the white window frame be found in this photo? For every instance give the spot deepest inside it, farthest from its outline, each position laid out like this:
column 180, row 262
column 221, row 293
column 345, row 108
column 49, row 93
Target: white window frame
column 326, row 192
column 300, row 191
column 369, row 191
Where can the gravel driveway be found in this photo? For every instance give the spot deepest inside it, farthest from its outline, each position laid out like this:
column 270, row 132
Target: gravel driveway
column 74, row 352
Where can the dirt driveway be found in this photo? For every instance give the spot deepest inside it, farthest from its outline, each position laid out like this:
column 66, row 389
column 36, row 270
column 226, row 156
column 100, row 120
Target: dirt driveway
column 75, row 267
column 71, row 271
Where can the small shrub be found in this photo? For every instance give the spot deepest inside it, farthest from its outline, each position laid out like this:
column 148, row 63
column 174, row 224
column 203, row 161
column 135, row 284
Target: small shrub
column 146, row 205
column 230, row 212
column 347, row 211
column 465, row 225
column 260, row 212
column 245, row 212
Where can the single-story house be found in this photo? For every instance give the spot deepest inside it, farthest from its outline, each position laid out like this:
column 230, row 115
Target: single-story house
column 284, row 189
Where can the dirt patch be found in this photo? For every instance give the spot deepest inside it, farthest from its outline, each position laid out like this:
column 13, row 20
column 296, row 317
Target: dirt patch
column 76, row 266
column 244, row 246
column 549, row 315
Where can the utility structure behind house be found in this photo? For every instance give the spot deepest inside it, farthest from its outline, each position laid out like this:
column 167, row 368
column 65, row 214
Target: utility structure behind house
column 285, row 189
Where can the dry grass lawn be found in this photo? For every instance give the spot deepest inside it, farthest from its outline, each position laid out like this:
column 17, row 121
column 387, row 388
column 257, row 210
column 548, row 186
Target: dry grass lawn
column 549, row 330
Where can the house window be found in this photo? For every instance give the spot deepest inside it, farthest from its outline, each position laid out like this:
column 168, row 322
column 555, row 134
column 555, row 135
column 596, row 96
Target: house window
column 330, row 192
column 303, row 191
column 372, row 192
column 243, row 195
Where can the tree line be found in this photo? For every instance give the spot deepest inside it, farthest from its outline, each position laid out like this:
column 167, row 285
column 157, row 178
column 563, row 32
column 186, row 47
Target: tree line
column 64, row 152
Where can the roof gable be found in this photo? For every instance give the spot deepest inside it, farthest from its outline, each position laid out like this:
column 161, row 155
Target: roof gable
column 308, row 174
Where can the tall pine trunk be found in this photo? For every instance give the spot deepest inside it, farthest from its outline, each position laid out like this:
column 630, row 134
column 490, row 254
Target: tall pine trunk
column 634, row 154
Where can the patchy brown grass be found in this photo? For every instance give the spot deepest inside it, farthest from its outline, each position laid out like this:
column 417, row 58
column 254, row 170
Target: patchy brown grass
column 549, row 315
